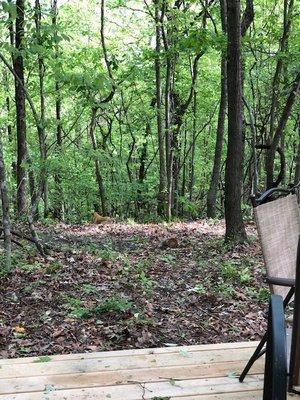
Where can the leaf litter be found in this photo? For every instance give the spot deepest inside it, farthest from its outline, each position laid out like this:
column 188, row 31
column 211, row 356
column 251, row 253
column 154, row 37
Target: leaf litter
column 123, row 286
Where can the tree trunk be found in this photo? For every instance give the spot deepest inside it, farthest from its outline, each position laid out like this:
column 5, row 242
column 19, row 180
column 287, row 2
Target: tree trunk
column 58, row 210
column 287, row 19
column 193, row 149
column 161, row 198
column 280, row 130
column 143, row 169
column 98, row 172
column 235, row 229
column 18, row 64
column 212, row 193
column 41, row 128
column 8, row 105
column 5, row 211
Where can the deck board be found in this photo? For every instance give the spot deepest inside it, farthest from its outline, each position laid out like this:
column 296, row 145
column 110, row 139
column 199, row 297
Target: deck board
column 202, row 372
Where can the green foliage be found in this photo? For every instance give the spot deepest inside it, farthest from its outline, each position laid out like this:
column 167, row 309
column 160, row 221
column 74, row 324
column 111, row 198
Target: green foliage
column 146, row 284
column 200, row 289
column 168, row 258
column 54, row 267
column 28, row 289
column 89, row 289
column 225, row 290
column 264, row 294
column 43, row 359
column 29, row 268
column 115, row 304
column 233, row 270
column 126, row 140
column 230, row 269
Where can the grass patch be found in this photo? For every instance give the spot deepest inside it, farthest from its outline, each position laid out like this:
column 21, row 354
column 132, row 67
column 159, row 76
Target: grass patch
column 114, row 304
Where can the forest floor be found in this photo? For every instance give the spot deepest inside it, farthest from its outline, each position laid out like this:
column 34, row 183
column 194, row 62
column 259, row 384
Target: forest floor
column 121, row 286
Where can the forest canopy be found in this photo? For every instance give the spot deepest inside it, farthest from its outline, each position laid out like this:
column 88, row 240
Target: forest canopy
column 120, row 107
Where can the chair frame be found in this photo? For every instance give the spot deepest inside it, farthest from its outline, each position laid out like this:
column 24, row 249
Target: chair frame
column 294, row 368
column 275, row 383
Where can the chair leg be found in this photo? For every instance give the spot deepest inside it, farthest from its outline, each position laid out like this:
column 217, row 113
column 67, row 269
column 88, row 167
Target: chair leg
column 260, row 350
column 258, row 353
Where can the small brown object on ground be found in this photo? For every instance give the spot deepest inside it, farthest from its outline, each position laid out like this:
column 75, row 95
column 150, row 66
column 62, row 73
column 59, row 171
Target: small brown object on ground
column 99, row 219
column 172, row 243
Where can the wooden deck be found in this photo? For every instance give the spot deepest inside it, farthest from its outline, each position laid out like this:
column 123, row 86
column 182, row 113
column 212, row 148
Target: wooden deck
column 205, row 372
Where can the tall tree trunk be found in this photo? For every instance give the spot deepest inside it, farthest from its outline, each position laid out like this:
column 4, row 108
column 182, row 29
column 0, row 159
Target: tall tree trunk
column 5, row 210
column 184, row 174
column 98, row 172
column 161, row 198
column 212, row 193
column 287, row 19
column 193, row 149
column 58, row 210
column 8, row 105
column 280, row 130
column 41, row 128
column 18, row 64
column 142, row 169
column 235, row 229
column 275, row 103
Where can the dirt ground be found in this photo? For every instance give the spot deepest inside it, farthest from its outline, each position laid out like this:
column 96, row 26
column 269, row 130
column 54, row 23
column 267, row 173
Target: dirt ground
column 121, row 286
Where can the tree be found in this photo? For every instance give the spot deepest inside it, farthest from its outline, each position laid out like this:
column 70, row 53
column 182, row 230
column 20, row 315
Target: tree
column 18, row 63
column 58, row 209
column 162, row 191
column 280, row 130
column 142, row 111
column 235, row 229
column 5, row 210
column 41, row 128
column 212, row 192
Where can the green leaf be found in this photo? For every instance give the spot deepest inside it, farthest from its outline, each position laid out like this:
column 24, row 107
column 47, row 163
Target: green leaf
column 43, row 359
column 233, row 374
column 185, row 353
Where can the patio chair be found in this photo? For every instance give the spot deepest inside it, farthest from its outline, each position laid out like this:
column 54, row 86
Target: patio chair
column 278, row 223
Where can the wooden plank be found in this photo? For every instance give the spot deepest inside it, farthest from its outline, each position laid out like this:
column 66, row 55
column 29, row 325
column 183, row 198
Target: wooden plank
column 124, row 363
column 251, row 395
column 181, row 388
column 134, row 352
column 107, row 378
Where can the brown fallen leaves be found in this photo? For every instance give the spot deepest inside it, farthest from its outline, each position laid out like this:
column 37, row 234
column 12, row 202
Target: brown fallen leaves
column 123, row 286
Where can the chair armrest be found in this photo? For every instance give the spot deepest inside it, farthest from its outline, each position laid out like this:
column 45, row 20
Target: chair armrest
column 288, row 282
column 267, row 194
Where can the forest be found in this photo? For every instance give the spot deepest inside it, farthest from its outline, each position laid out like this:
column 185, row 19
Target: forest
column 121, row 107
column 133, row 135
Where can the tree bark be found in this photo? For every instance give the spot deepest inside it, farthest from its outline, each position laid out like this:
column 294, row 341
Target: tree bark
column 5, row 210
column 98, row 173
column 212, row 193
column 280, row 130
column 161, row 198
column 41, row 128
column 193, row 149
column 58, row 209
column 18, row 64
column 235, row 229
column 274, row 111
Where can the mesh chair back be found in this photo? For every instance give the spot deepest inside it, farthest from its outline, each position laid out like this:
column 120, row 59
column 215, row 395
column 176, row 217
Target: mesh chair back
column 278, row 225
